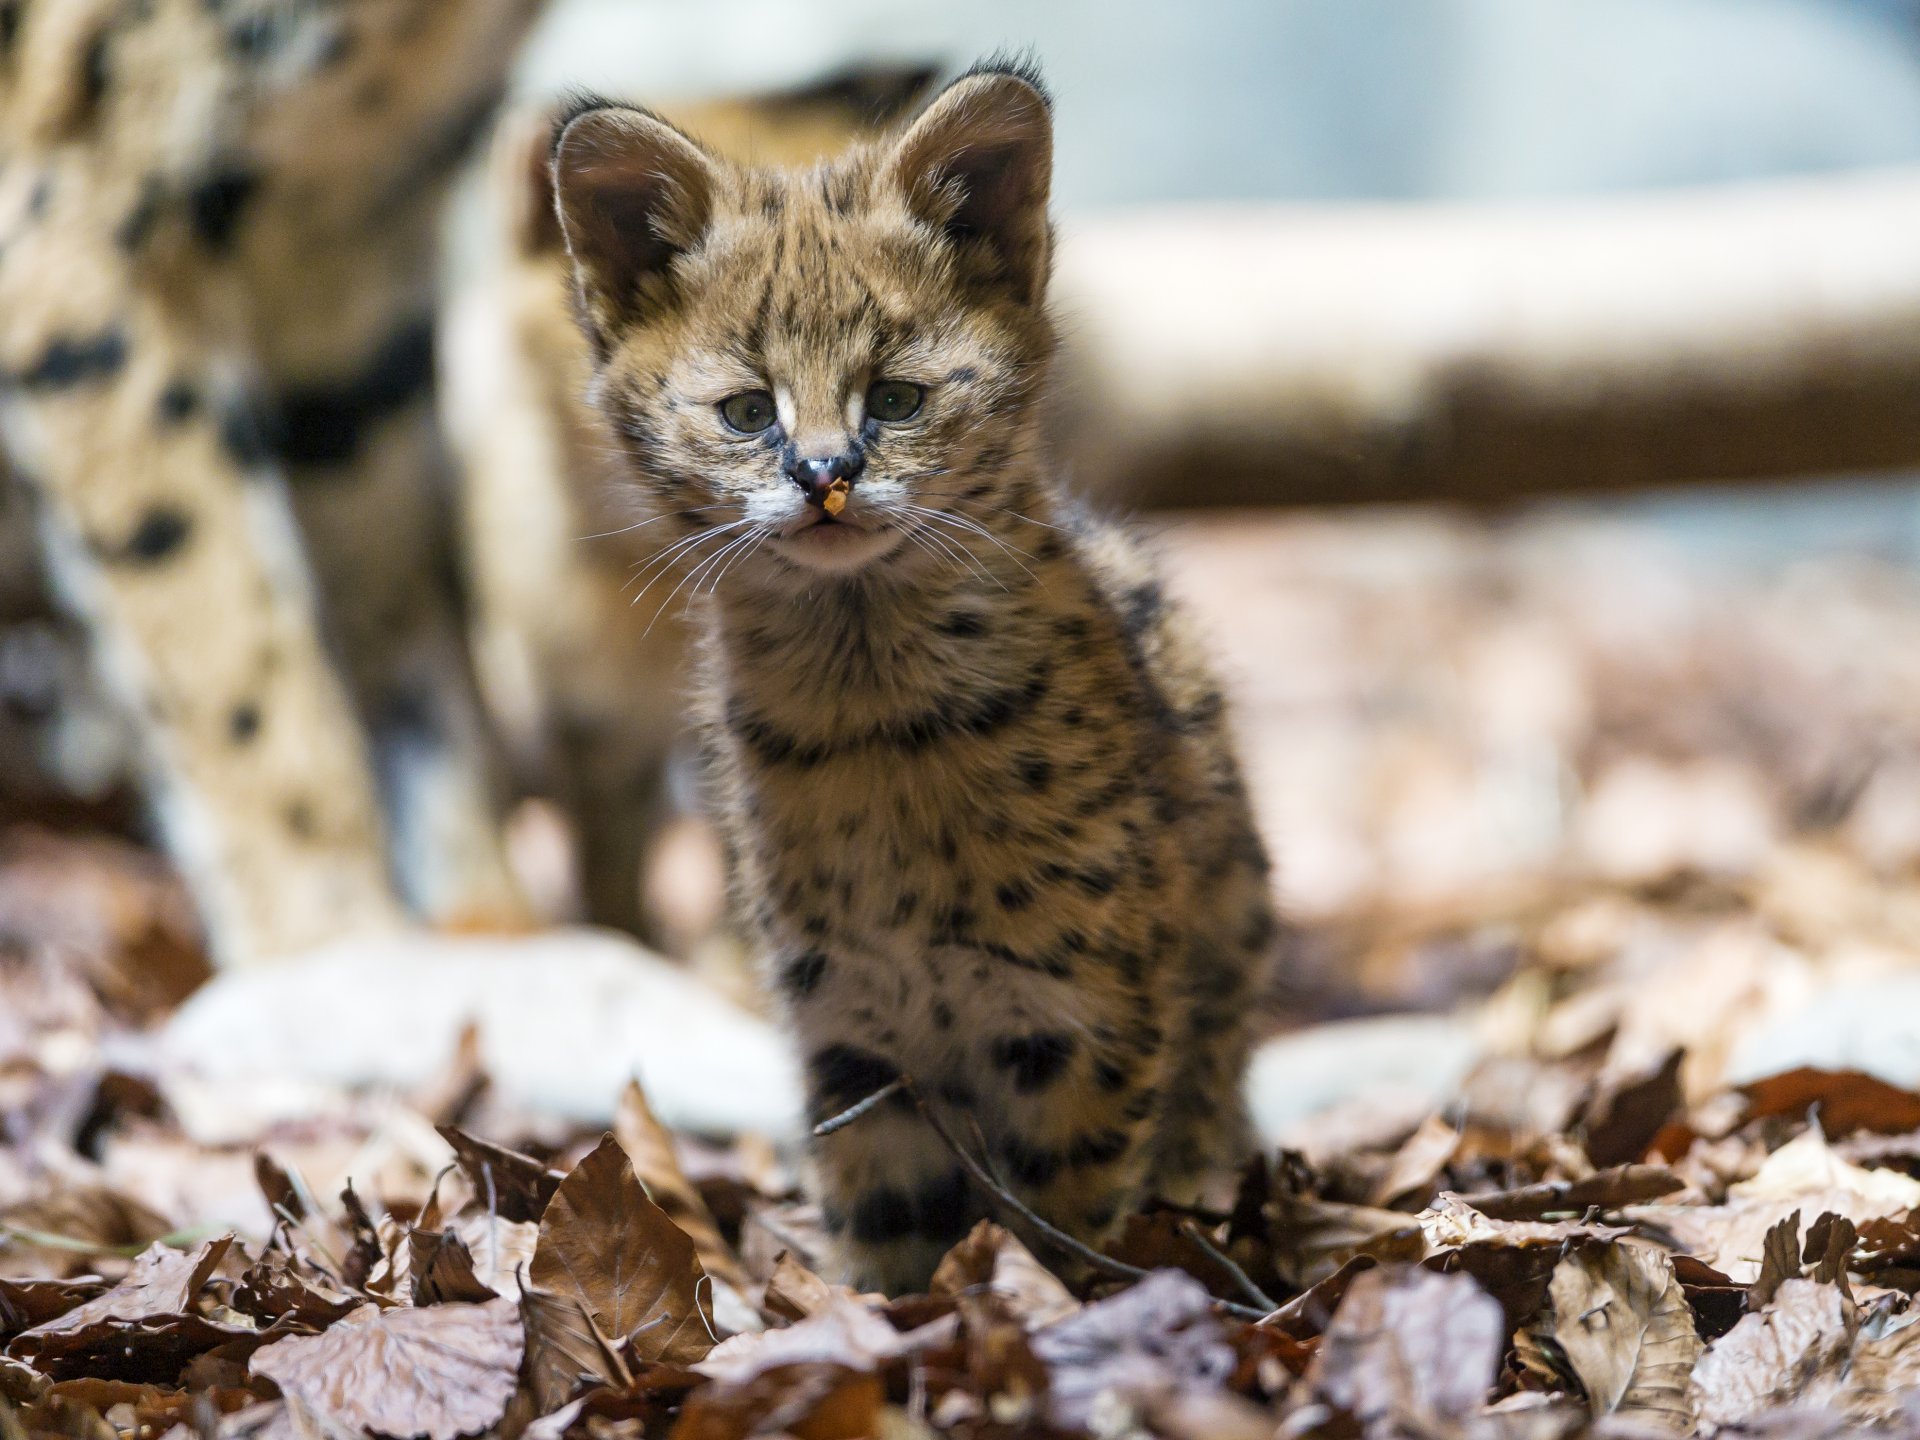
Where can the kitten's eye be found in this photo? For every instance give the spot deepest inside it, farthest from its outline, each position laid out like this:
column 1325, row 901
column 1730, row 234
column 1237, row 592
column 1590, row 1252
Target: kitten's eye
column 749, row 412
column 894, row 400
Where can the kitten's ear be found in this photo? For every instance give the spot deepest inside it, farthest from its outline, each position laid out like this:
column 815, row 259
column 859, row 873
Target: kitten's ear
column 631, row 192
column 979, row 164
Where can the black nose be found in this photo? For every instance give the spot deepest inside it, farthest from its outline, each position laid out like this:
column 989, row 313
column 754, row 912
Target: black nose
column 816, row 477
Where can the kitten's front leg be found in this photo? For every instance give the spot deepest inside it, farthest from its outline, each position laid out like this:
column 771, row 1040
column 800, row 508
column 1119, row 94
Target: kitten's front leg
column 892, row 1195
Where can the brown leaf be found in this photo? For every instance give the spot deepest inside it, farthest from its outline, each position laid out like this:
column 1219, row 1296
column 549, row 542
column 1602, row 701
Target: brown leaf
column 650, row 1147
column 505, row 1182
column 1621, row 1320
column 1779, row 1260
column 794, row 1292
column 1770, row 1359
column 1882, row 1378
column 92, row 1214
column 1308, row 1313
column 564, row 1349
column 162, row 1282
column 1623, row 1117
column 1312, row 1238
column 272, row 1289
column 501, row 1249
column 811, row 1401
column 1154, row 1339
column 26, row 1303
column 846, row 1332
column 993, row 1260
column 1410, row 1345
column 605, row 1243
column 441, row 1372
column 441, row 1269
column 1829, row 1247
column 1843, row 1101
column 1417, row 1164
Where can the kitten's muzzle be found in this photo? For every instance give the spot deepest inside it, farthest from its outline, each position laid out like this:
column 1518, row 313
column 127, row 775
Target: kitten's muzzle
column 816, row 477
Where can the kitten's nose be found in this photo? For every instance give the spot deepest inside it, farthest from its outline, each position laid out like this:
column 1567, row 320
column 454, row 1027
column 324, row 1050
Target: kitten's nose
column 816, row 477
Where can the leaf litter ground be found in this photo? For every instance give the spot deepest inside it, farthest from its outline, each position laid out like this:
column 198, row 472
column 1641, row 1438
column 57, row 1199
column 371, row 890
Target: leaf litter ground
column 1595, row 1233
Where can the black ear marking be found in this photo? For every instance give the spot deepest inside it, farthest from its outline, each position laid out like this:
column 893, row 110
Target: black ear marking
column 978, row 163
column 631, row 193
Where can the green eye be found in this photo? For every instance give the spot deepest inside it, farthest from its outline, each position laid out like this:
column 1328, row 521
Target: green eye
column 894, row 400
column 749, row 412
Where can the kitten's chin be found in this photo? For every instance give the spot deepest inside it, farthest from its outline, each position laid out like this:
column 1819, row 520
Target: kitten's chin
column 835, row 549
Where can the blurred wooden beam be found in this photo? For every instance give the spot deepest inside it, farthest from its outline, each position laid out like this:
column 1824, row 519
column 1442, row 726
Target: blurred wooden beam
column 1292, row 355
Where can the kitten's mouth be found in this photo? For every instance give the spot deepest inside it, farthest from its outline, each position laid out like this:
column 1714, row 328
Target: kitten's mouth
column 821, row 541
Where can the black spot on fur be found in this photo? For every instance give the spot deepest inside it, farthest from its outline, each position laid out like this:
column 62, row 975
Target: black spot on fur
column 1014, row 895
column 177, row 403
column 970, row 716
column 1030, row 1165
column 881, row 1215
column 300, row 819
column 70, row 360
column 1035, row 1060
column 958, row 1093
column 1099, row 1147
column 942, row 1209
column 1143, row 607
column 963, row 624
column 137, row 224
column 216, row 205
column 1141, row 1105
column 9, row 23
column 1035, row 771
column 963, row 375
column 325, row 425
column 243, row 722
column 247, row 433
column 93, row 75
column 841, row 1076
column 1112, row 1077
column 161, row 531
column 801, row 976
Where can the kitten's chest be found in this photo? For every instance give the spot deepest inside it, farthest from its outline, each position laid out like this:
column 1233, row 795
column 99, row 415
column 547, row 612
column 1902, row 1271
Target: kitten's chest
column 884, row 853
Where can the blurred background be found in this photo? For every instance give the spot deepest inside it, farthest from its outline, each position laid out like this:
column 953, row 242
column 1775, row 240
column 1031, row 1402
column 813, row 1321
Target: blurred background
column 1526, row 395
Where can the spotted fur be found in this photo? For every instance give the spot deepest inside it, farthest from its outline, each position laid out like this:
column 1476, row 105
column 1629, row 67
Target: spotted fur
column 983, row 812
column 217, row 228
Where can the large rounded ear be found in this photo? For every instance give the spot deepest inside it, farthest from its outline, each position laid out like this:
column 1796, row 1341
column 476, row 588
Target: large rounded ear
column 978, row 163
column 631, row 192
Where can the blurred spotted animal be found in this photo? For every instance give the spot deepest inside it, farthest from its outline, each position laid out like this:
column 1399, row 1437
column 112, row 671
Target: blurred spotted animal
column 219, row 223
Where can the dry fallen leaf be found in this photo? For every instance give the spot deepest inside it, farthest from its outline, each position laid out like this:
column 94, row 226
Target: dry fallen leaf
column 564, row 1348
column 1771, row 1360
column 1132, row 1351
column 162, row 1282
column 649, row 1146
column 1410, row 1345
column 1621, row 1320
column 992, row 1258
column 845, row 1332
column 439, row 1372
column 605, row 1243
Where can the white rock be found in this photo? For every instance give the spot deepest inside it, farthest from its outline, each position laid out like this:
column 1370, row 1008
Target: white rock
column 566, row 1018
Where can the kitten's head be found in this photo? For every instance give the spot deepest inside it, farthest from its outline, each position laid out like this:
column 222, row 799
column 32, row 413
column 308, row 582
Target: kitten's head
column 822, row 361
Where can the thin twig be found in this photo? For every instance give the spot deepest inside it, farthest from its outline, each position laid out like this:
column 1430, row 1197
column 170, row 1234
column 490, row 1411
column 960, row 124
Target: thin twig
column 1227, row 1263
column 862, row 1107
column 995, row 1189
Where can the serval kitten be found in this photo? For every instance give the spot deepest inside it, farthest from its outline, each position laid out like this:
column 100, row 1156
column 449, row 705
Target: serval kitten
column 980, row 803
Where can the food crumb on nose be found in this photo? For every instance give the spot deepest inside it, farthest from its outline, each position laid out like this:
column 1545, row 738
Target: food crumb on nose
column 836, row 497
